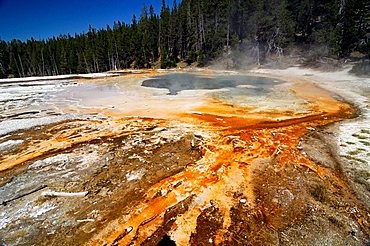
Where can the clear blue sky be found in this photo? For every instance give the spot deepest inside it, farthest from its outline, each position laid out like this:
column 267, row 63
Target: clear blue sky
column 23, row 19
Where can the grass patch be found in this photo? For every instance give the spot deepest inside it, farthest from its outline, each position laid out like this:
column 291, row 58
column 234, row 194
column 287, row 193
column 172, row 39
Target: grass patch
column 357, row 151
column 335, row 221
column 359, row 136
column 365, row 143
column 354, row 152
column 319, row 193
column 351, row 143
column 365, row 131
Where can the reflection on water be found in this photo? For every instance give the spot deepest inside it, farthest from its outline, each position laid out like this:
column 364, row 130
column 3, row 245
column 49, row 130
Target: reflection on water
column 240, row 90
column 184, row 81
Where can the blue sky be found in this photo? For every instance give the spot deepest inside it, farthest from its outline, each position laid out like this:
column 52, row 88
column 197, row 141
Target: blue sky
column 23, row 19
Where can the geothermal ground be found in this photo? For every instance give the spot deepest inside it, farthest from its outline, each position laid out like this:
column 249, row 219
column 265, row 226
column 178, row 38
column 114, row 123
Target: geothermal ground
column 268, row 157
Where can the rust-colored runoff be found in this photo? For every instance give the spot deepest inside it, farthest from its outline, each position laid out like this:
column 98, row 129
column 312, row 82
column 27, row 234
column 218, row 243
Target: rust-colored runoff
column 238, row 140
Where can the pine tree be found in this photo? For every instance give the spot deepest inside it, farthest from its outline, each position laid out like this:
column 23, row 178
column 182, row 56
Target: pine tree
column 4, row 59
column 197, row 31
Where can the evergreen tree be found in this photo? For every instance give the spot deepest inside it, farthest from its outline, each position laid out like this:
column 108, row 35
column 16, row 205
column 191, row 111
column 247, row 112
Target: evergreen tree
column 197, row 31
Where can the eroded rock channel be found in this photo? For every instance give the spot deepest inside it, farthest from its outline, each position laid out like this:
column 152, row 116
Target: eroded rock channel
column 243, row 161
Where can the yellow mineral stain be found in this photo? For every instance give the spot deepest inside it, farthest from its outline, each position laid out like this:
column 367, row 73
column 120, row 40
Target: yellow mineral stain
column 239, row 138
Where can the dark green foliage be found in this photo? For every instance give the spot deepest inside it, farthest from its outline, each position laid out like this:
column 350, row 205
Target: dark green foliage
column 166, row 63
column 197, row 32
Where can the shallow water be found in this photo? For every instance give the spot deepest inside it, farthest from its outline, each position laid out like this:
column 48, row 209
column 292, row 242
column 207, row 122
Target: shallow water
column 186, row 81
column 261, row 93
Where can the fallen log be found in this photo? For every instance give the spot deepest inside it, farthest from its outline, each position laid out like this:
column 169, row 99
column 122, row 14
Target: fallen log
column 85, row 220
column 64, row 194
column 4, row 203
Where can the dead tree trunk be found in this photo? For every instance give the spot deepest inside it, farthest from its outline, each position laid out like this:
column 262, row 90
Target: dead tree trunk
column 43, row 62
column 20, row 62
column 342, row 4
column 116, row 58
column 257, row 48
column 86, row 64
column 228, row 34
column 2, row 68
column 96, row 68
column 201, row 25
column 16, row 64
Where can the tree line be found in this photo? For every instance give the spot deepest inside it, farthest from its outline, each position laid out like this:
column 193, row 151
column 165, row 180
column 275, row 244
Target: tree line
column 197, row 32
